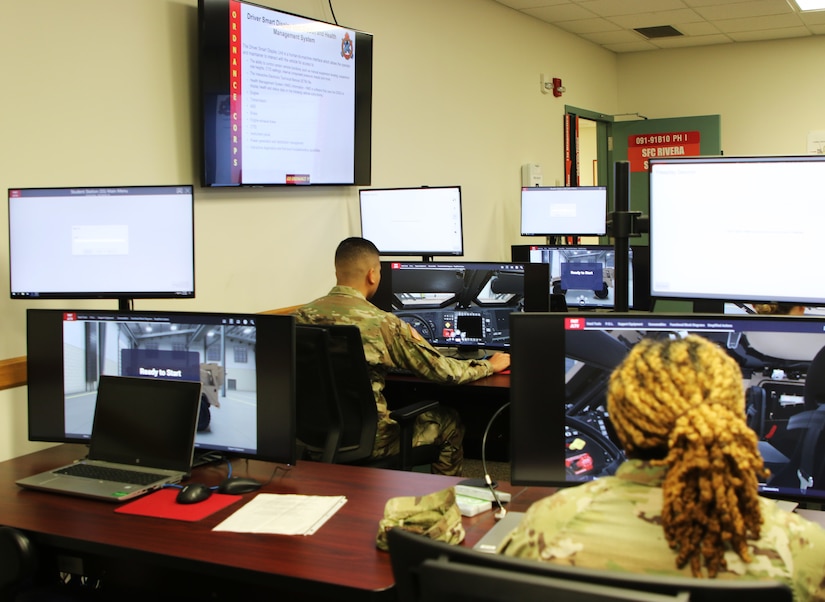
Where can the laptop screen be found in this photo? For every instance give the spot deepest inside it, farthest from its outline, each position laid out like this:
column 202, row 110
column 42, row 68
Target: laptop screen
column 145, row 422
column 560, row 430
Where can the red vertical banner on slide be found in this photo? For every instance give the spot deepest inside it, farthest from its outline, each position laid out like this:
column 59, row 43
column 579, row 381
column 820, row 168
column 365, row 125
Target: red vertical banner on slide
column 235, row 88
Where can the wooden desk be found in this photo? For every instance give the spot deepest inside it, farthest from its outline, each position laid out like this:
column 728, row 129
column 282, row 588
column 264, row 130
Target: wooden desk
column 339, row 562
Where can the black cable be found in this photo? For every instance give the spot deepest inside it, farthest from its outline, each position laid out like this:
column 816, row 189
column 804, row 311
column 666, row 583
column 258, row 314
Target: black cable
column 334, row 20
column 501, row 511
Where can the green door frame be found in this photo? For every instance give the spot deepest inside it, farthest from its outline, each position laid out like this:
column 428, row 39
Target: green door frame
column 604, row 149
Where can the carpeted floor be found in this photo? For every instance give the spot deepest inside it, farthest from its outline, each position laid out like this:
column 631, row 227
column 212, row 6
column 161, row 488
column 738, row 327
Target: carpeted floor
column 499, row 471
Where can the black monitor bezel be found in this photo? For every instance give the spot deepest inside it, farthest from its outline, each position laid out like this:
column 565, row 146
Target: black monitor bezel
column 215, row 82
column 535, row 298
column 538, row 355
column 275, row 373
column 714, row 298
column 424, row 252
column 124, row 296
column 599, row 231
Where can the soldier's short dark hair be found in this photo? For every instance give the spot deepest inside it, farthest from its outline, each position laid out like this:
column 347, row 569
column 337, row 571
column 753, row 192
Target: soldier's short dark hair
column 353, row 249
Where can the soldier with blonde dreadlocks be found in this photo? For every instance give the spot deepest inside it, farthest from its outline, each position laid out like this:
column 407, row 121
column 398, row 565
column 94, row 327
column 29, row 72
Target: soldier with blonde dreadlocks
column 685, row 501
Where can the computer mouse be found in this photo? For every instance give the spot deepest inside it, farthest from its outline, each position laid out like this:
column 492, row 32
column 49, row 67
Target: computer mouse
column 238, row 485
column 191, row 493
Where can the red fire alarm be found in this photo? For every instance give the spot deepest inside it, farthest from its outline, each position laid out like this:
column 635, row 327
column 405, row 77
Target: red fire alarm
column 558, row 89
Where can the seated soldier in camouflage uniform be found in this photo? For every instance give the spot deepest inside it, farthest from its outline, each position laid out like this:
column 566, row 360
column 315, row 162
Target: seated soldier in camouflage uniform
column 389, row 342
column 685, row 503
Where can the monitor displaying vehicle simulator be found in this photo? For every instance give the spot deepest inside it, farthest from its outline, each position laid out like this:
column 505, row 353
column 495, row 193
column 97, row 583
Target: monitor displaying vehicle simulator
column 462, row 304
column 560, row 430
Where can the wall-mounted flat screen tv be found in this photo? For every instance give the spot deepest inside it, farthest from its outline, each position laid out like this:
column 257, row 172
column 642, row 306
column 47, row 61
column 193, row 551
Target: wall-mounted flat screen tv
column 285, row 100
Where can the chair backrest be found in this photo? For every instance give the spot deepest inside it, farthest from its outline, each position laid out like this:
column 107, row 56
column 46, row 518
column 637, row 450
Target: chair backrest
column 431, row 571
column 18, row 561
column 336, row 413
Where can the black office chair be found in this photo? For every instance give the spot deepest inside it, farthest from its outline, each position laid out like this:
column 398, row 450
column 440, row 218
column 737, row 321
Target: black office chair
column 20, row 573
column 337, row 418
column 432, row 571
column 18, row 562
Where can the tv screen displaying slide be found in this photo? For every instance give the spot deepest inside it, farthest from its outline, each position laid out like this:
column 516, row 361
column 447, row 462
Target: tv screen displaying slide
column 244, row 362
column 285, row 100
column 422, row 221
column 121, row 242
column 564, row 211
column 737, row 228
column 560, row 429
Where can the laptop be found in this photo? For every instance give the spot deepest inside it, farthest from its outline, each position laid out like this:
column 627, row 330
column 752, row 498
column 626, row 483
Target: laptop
column 491, row 540
column 143, row 437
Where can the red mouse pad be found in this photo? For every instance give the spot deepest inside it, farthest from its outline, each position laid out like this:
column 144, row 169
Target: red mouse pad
column 162, row 504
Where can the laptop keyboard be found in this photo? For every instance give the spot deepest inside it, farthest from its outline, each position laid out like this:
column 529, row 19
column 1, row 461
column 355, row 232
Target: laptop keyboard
column 105, row 473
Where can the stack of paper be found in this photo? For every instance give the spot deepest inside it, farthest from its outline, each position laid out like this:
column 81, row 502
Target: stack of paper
column 283, row 514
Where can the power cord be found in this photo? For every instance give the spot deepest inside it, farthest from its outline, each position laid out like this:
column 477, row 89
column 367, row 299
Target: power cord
column 489, row 481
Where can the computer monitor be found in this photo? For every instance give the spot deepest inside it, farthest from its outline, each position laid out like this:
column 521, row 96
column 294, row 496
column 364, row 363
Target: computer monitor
column 560, row 431
column 585, row 274
column 737, row 228
column 564, row 211
column 245, row 362
column 423, row 221
column 114, row 242
column 466, row 305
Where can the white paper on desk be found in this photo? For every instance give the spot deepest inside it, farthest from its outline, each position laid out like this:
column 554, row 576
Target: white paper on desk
column 283, row 514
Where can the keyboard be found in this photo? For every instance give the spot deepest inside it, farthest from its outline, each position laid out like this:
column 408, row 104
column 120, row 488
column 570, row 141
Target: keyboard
column 105, row 473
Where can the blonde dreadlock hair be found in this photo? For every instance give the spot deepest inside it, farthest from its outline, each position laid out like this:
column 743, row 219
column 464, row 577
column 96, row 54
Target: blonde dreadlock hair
column 682, row 403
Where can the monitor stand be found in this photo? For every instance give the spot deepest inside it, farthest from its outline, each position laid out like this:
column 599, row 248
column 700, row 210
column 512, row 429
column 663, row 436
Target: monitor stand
column 209, row 457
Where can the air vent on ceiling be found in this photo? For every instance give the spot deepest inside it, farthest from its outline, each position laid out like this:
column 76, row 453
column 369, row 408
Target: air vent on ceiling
column 660, row 31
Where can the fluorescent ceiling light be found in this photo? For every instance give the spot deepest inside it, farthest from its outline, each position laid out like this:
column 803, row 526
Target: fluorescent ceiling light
column 810, row 4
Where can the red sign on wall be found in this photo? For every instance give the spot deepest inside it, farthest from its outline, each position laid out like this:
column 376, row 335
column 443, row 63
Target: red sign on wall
column 641, row 147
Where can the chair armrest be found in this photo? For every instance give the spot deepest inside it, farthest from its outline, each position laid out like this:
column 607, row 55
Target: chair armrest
column 405, row 417
column 409, row 412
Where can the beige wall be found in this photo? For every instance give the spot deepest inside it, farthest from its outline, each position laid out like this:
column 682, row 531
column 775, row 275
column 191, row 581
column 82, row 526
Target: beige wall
column 769, row 94
column 103, row 92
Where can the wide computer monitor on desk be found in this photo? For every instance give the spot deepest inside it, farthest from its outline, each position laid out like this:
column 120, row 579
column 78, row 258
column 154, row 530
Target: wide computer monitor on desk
column 586, row 274
column 245, row 362
column 424, row 221
column 103, row 242
column 465, row 305
column 563, row 211
column 561, row 433
column 732, row 229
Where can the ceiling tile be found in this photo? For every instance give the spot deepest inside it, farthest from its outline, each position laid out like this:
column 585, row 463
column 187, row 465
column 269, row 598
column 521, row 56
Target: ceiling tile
column 667, row 17
column 583, row 26
column 612, row 8
column 703, row 22
column 769, row 34
column 741, row 10
column 560, row 12
column 776, row 22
